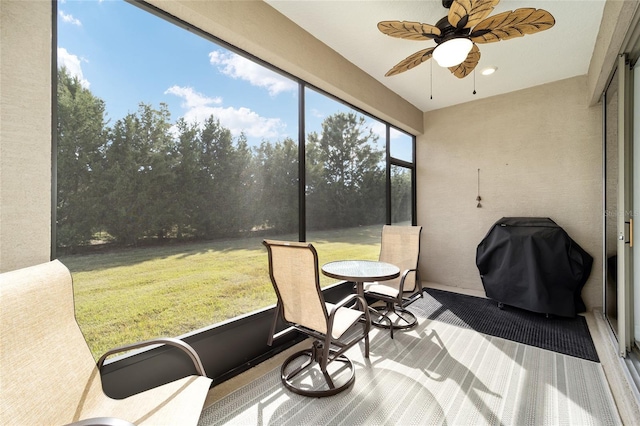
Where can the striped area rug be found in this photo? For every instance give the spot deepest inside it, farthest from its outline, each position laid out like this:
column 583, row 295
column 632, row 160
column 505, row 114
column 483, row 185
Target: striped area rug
column 436, row 373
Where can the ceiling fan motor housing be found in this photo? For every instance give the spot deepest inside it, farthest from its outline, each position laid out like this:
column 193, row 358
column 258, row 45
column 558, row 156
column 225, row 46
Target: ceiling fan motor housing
column 448, row 31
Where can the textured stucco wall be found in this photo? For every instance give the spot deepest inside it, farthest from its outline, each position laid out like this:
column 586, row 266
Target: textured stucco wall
column 25, row 133
column 539, row 152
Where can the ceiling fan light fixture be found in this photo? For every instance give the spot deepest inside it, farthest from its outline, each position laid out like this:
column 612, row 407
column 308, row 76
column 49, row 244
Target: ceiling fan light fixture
column 452, row 52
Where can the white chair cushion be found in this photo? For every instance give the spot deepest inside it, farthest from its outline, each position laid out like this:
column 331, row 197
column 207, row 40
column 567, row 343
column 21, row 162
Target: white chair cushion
column 382, row 289
column 344, row 318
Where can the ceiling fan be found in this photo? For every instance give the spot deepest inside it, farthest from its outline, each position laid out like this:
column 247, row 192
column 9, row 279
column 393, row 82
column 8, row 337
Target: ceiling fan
column 457, row 34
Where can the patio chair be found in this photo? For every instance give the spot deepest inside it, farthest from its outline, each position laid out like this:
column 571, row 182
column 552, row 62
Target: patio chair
column 48, row 374
column 324, row 369
column 400, row 246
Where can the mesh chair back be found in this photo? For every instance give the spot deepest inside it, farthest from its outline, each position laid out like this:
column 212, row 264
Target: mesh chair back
column 293, row 268
column 48, row 373
column 400, row 246
column 43, row 349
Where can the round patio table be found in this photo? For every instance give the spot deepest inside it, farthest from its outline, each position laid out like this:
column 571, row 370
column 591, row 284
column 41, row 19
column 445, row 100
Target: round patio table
column 361, row 271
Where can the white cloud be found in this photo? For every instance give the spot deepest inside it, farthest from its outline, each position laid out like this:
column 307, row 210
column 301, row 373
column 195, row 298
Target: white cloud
column 379, row 129
column 69, row 19
column 192, row 99
column 238, row 120
column 73, row 64
column 238, row 67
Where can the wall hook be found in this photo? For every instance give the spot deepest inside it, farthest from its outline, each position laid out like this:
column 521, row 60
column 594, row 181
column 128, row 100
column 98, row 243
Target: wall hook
column 479, row 198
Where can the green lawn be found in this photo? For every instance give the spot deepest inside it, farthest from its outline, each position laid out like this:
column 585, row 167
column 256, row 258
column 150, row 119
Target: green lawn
column 135, row 294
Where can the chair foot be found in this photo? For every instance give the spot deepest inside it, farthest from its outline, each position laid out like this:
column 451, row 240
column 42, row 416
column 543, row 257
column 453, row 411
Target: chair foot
column 399, row 318
column 301, row 373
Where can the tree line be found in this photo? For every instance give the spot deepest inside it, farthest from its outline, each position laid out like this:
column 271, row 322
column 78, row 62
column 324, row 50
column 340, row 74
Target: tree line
column 144, row 177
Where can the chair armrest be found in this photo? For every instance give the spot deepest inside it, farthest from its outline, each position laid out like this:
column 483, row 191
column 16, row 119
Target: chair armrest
column 186, row 348
column 404, row 276
column 343, row 303
column 346, row 300
column 364, row 307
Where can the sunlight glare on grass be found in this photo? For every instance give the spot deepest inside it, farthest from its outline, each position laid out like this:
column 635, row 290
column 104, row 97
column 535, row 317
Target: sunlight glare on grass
column 134, row 294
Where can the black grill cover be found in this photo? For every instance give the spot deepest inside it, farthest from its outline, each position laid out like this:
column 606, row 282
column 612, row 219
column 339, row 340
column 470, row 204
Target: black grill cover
column 532, row 263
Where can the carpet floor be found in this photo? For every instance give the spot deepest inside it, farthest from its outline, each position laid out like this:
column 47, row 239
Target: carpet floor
column 569, row 336
column 436, row 373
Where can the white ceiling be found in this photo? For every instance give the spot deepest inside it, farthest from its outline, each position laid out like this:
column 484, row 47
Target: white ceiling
column 349, row 28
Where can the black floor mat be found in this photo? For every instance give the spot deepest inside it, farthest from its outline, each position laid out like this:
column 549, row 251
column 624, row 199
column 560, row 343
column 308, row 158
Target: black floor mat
column 569, row 336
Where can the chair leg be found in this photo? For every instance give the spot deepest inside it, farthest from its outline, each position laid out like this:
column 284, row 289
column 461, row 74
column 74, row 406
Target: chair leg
column 366, row 346
column 405, row 316
column 383, row 317
column 307, row 353
column 389, row 310
column 317, row 359
column 399, row 317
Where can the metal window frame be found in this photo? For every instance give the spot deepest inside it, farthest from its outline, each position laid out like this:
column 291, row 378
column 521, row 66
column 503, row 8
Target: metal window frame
column 116, row 375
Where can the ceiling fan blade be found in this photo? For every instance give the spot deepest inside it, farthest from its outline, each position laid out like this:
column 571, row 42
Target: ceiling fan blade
column 511, row 24
column 467, row 13
column 411, row 61
column 469, row 64
column 409, row 30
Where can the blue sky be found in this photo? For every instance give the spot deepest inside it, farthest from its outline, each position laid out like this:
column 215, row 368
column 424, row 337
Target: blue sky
column 126, row 55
